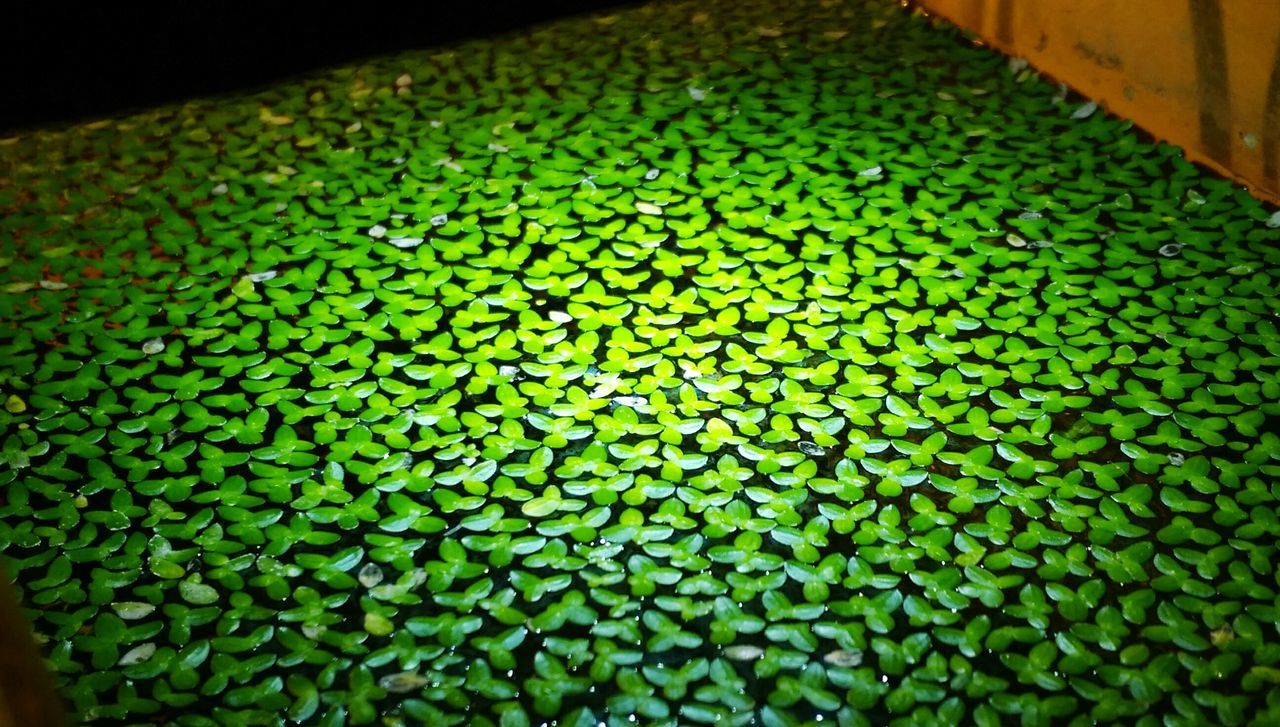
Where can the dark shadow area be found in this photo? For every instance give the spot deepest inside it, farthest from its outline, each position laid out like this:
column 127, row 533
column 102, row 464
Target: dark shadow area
column 62, row 62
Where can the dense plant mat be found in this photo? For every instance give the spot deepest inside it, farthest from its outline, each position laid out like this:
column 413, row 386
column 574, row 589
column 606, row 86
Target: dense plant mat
column 707, row 363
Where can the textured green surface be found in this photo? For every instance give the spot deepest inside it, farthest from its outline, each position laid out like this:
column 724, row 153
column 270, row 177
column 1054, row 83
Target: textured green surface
column 725, row 363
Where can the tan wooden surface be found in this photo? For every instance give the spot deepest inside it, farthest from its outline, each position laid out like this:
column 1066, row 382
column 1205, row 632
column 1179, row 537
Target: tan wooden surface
column 1201, row 74
column 27, row 696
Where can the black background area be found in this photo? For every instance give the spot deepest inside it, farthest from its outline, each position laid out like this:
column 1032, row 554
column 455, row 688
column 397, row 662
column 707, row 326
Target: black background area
column 62, row 62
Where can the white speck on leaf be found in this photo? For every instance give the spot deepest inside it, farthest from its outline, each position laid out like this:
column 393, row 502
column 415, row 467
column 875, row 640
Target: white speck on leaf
column 744, row 652
column 153, row 346
column 377, row 231
column 198, row 594
column 138, row 654
column 1085, row 110
column 843, row 657
column 132, row 610
column 405, row 681
column 448, row 163
column 697, row 94
column 440, row 219
column 404, row 80
column 812, row 449
column 1170, row 249
column 265, row 275
column 871, row 171
column 370, row 575
column 605, row 386
column 1274, row 220
column 648, row 208
column 406, row 242
column 1015, row 240
column 417, row 577
column 219, row 189
column 53, row 285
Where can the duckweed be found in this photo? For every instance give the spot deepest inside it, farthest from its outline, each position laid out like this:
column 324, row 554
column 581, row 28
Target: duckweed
column 706, row 363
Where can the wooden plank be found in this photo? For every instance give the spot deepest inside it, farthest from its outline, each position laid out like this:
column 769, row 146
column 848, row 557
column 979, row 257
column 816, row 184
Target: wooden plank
column 1201, row 74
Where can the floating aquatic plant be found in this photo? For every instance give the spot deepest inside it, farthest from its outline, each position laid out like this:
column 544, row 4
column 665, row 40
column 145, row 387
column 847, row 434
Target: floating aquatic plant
column 733, row 364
